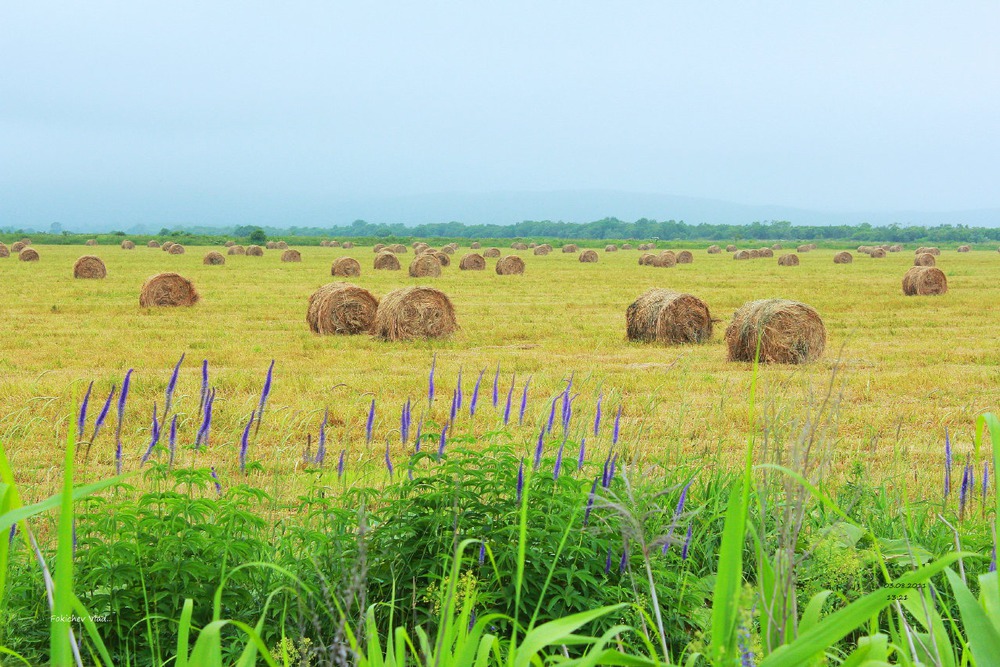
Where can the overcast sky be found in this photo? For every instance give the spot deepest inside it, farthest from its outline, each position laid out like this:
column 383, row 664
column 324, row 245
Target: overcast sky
column 209, row 111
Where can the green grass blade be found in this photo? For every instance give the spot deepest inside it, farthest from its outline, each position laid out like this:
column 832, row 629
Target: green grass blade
column 555, row 632
column 729, row 577
column 19, row 514
column 984, row 640
column 91, row 628
column 7, row 651
column 60, row 646
column 183, row 632
column 810, row 616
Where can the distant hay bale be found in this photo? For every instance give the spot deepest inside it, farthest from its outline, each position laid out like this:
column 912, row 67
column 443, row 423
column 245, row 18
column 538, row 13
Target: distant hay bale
column 519, row 246
column 420, row 247
column 611, row 248
column 803, row 248
column 378, row 247
column 448, row 250
column 766, row 252
column 646, row 259
column 90, row 267
column 924, row 259
column 924, row 281
column 167, row 289
column 741, row 254
column 776, row 246
column 271, row 245
column 26, row 241
column 28, row 255
column 964, row 248
column 510, row 265
column 128, row 245
column 167, row 245
column 685, row 257
column 91, row 242
column 334, row 244
column 230, row 244
column 532, row 246
column 255, row 251
column 398, row 248
column 570, row 247
column 491, row 252
column 442, row 257
column 281, row 245
column 626, row 246
column 789, row 332
column 920, row 251
column 642, row 246
column 666, row 259
column 414, row 312
column 153, row 244
column 895, row 248
column 878, row 253
column 670, row 317
column 476, row 245
column 348, row 267
column 423, row 249
column 176, row 249
column 843, row 257
column 214, row 259
column 589, row 256
column 671, row 254
column 934, row 251
column 714, row 250
column 472, row 262
column 291, row 256
column 347, row 245
column 788, row 260
column 731, row 248
column 236, row 250
column 543, row 249
column 425, row 266
column 754, row 253
column 324, row 244
column 387, row 261
column 4, row 251
column 341, row 309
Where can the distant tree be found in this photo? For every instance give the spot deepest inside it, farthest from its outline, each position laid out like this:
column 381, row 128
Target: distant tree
column 258, row 237
column 164, row 232
column 55, row 228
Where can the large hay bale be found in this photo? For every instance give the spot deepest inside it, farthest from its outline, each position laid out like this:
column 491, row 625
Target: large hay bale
column 425, row 266
column 414, row 312
column 789, row 332
column 26, row 241
column 91, row 242
column 670, row 317
column 472, row 262
column 4, row 251
column 510, row 265
column 347, row 245
column 271, row 245
column 714, row 250
column 671, row 254
column 934, row 251
column 543, row 249
column 492, row 252
column 28, row 255
column 291, row 256
column 924, row 281
column 341, row 309
column 128, row 245
column 788, row 260
column 646, row 259
column 877, row 253
column 666, row 259
column 754, row 253
column 176, row 249
column 281, row 245
column 236, row 250
column 90, row 267
column 255, row 251
column 448, row 250
column 626, row 246
column 387, row 261
column 685, row 257
column 214, row 259
column 589, row 256
column 230, row 244
column 570, row 247
column 731, row 248
column 803, row 248
column 741, row 254
column 519, row 246
column 611, row 248
column 378, row 247
column 442, row 257
column 348, row 267
column 167, row 289
column 167, row 245
column 766, row 252
column 153, row 244
column 398, row 248
column 843, row 257
column 964, row 248
column 475, row 245
column 924, row 259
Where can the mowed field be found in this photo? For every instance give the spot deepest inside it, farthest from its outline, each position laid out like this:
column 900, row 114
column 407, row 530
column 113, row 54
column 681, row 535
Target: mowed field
column 907, row 367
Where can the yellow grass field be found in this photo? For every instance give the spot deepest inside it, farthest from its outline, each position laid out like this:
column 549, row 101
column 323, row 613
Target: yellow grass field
column 909, row 366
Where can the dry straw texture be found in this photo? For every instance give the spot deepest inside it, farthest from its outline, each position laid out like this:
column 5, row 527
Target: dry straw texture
column 731, row 248
column 611, row 248
column 519, row 246
column 789, row 332
column 127, row 245
column 766, row 252
column 91, row 242
column 964, row 248
column 230, row 244
column 271, row 245
column 626, row 246
column 167, row 289
column 570, row 247
column 843, row 257
column 669, row 317
column 895, row 248
column 665, row 259
column 28, row 255
column 589, row 256
column 89, row 267
column 754, row 253
column 685, row 257
column 176, row 249
column 378, row 247
column 741, row 254
column 398, row 248
column 347, row 245
column 543, row 249
column 442, row 257
column 347, row 267
column 153, row 244
column 425, row 266
column 386, row 261
column 255, row 251
column 291, row 256
column 475, row 245
column 282, row 245
column 4, row 250
column 492, row 252
column 510, row 265
column 236, row 250
column 788, row 260
column 776, row 246
column 448, row 250
column 334, row 244
column 878, row 253
column 924, row 259
column 472, row 262
column 414, row 312
column 341, row 309
column 214, row 259
column 924, row 281
column 803, row 248
column 646, row 259
column 714, row 250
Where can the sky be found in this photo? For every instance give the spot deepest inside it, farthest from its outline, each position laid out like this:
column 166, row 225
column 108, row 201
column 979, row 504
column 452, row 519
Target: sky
column 227, row 112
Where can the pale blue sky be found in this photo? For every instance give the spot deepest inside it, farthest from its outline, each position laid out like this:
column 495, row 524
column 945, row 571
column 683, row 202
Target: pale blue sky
column 217, row 112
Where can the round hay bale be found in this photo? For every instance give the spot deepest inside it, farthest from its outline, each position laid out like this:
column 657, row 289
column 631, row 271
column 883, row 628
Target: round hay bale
column 754, row 253
column 425, row 266
column 934, row 251
column 789, row 332
column 895, row 248
column 475, row 245
column 341, row 309
column 348, row 267
column 492, row 252
column 378, row 247
column 176, row 249
column 731, row 248
column 387, row 261
column 641, row 247
column 520, row 246
column 511, row 265
column 398, row 248
column 442, row 257
column 334, row 244
column 230, row 244
column 964, row 248
column 167, row 245
column 167, row 289
column 611, row 248
column 448, row 250
column 626, row 246
column 776, row 246
column 4, row 251
column 924, row 259
column 324, row 244
column 282, row 245
column 472, row 262
column 803, row 248
column 669, row 317
column 878, row 253
column 347, row 245
column 646, row 259
column 291, row 256
column 714, row 250
column 128, row 245
column 570, row 247
column 666, row 259
column 28, row 255
column 90, row 267
column 425, row 248
column 685, row 257
column 153, row 244
column 843, row 257
column 671, row 254
column 920, row 251
column 236, row 250
column 788, row 260
column 741, row 254
column 766, row 252
column 414, row 312
column 271, row 245
column 255, row 251
column 214, row 259
column 91, row 242
column 532, row 246
column 26, row 241
column 589, row 256
column 543, row 249
column 924, row 281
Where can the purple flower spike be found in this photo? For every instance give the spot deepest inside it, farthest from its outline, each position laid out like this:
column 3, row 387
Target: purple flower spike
column 458, row 391
column 204, row 385
column 559, row 457
column 597, row 415
column 173, row 440
column 538, row 448
column 604, row 473
column 687, row 543
column 947, row 464
column 13, row 534
column 506, row 409
column 441, row 444
column 388, row 460
column 677, row 513
column 215, row 478
column 81, row 421
column 607, row 562
column 416, row 441
column 206, row 422
column 265, row 392
column 118, row 458
column 245, row 444
column 454, row 406
column 154, row 439
column 567, row 412
column 340, row 464
column 611, row 469
column 171, row 386
column 552, row 416
column 524, row 401
column 370, row 423
column 590, row 502
column 122, row 397
column 520, row 481
column 496, row 386
column 430, row 381
column 321, row 447
column 404, row 423
column 475, row 394
column 963, row 492
column 482, row 552
column 103, row 415
column 583, row 453
column 986, row 478
column 614, row 434
column 623, row 563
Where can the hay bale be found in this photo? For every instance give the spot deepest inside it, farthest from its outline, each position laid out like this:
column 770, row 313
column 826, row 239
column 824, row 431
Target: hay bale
column 611, row 248
column 519, row 246
column 324, row 244
column 442, row 258
column 671, row 254
column 776, row 246
column 766, row 252
column 230, row 244
column 788, row 260
column 167, row 289
column 167, row 245
column 934, row 251
column 492, row 252
column 176, row 249
column 843, row 257
column 291, row 256
column 448, row 250
column 924, row 281
column 425, row 248
column 626, row 246
column 642, row 246
column 669, row 317
column 414, row 312
column 531, row 246
column 924, row 259
column 4, row 251
column 90, row 267
column 271, row 245
column 341, row 309
column 475, row 245
column 398, row 248
column 646, row 259
column 281, row 245
column 920, row 251
column 685, row 257
column 236, row 250
column 28, row 255
column 589, row 256
column 378, row 247
column 754, row 253
column 347, row 245
column 510, row 265
column 895, row 248
column 348, row 267
column 741, row 254
column 964, row 248
column 128, row 245
column 666, row 259
column 255, row 251
column 153, row 244
column 731, row 248
column 714, row 250
column 214, row 259
column 543, row 249
column 789, row 332
column 91, row 242
column 334, row 244
column 472, row 262
column 425, row 265
column 26, row 241
column 877, row 253
column 570, row 247
column 387, row 261
column 803, row 248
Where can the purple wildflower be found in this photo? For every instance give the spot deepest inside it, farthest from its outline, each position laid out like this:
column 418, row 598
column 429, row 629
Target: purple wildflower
column 520, row 481
column 677, row 513
column 947, row 464
column 81, row 421
column 552, row 416
column 482, row 552
column 388, row 460
column 607, row 562
column 458, row 391
column 524, row 401
column 122, row 397
column 13, row 534
column 604, row 473
column 321, row 447
column 118, row 458
column 963, row 492
column 558, row 466
column 430, row 381
column 616, row 431
column 506, row 409
column 215, row 478
column 154, row 439
column 590, row 502
column 567, row 414
column 475, row 394
column 416, row 440
column 340, row 464
column 264, row 393
column 171, row 386
column 245, row 444
column 102, row 415
column 443, row 441
column 173, row 440
column 623, row 563
column 472, row 620
column 583, row 453
column 454, row 405
column 986, row 478
column 746, row 653
column 404, row 423
column 496, row 386
column 611, row 469
column 206, row 420
column 687, row 543
column 204, row 385
column 370, row 423
column 597, row 415
column 538, row 448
